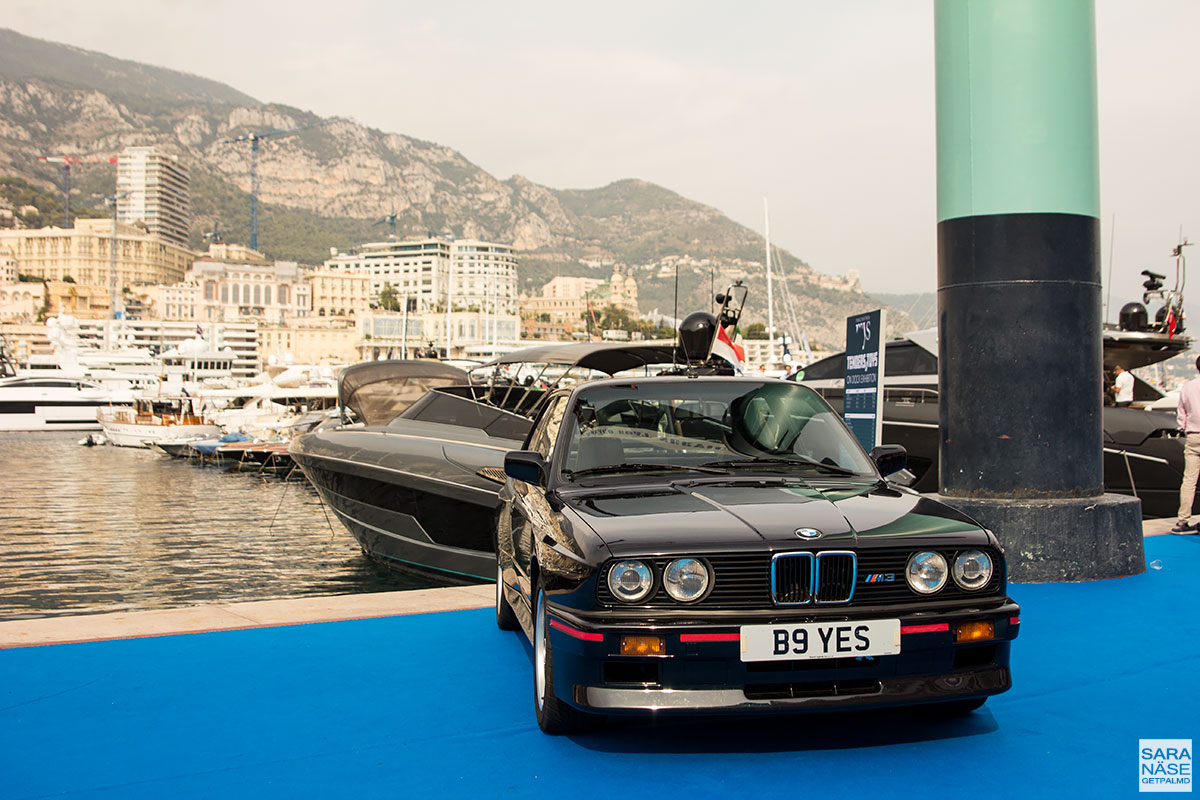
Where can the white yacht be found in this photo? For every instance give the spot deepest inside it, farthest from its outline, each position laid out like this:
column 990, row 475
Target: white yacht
column 155, row 418
column 49, row 403
column 272, row 403
column 37, row 403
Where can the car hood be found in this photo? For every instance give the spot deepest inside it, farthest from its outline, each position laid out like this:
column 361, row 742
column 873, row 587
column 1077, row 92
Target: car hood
column 754, row 516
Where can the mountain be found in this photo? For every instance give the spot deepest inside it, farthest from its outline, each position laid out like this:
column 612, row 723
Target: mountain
column 332, row 183
column 920, row 308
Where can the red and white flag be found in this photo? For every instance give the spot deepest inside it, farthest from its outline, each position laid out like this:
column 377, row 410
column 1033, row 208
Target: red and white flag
column 731, row 351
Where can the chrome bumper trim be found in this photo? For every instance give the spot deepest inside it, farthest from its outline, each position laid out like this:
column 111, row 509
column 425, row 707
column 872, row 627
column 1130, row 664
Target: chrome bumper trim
column 893, row 691
column 654, row 699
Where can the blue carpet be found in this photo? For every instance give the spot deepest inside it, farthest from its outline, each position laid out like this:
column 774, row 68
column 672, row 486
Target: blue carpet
column 440, row 705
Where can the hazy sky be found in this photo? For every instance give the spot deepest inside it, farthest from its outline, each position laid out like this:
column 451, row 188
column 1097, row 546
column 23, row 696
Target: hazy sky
column 824, row 108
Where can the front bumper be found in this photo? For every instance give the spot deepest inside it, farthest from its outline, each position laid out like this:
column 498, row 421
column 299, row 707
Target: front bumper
column 701, row 671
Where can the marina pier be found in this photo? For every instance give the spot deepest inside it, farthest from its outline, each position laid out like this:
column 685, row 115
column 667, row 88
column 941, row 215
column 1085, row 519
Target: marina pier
column 424, row 704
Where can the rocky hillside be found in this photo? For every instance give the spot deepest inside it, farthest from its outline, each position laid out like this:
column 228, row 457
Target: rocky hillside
column 333, row 182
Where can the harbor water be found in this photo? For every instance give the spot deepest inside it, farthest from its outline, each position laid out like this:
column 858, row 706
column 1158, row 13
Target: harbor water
column 98, row 529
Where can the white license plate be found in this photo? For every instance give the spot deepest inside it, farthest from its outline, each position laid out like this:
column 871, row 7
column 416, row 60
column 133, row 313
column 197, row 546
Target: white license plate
column 880, row 637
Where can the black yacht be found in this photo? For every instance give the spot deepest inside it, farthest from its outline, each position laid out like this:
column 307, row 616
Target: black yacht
column 415, row 471
column 1143, row 454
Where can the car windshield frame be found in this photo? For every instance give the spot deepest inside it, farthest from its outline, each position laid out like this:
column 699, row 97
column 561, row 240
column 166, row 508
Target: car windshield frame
column 695, row 427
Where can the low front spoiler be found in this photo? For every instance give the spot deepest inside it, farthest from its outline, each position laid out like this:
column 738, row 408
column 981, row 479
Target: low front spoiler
column 962, row 685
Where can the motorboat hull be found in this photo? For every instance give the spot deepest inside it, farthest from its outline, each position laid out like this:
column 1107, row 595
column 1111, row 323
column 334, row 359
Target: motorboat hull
column 176, row 448
column 130, row 434
column 411, row 493
column 64, row 406
column 56, row 417
column 1138, row 459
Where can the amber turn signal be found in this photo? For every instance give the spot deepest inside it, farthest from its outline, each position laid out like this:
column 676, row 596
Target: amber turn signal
column 643, row 646
column 974, row 631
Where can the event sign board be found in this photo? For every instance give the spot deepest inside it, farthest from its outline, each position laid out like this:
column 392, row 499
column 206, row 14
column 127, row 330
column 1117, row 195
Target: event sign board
column 863, row 406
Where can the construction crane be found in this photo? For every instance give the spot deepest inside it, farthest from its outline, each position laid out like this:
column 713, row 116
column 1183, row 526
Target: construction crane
column 254, row 138
column 390, row 219
column 66, row 162
column 215, row 236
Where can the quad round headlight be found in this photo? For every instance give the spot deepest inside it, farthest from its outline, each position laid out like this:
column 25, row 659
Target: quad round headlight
column 926, row 572
column 630, row 580
column 972, row 569
column 686, row 579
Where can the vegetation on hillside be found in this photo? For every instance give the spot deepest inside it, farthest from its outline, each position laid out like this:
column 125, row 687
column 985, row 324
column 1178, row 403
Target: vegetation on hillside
column 143, row 88
column 611, row 318
column 19, row 192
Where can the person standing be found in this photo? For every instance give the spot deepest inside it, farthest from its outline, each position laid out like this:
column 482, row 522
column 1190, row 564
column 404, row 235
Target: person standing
column 1123, row 383
column 1188, row 417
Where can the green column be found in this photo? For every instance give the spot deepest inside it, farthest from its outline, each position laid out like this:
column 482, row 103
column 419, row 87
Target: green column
column 1016, row 107
column 1020, row 359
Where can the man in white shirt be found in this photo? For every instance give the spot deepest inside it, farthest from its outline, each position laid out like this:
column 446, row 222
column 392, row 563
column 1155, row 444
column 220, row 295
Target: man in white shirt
column 1123, row 382
column 1188, row 417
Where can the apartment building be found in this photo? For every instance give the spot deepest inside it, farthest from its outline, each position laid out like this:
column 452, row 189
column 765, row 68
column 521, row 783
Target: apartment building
column 241, row 338
column 20, row 302
column 153, row 188
column 439, row 273
column 564, row 300
column 339, row 293
column 218, row 290
column 84, row 254
column 310, row 340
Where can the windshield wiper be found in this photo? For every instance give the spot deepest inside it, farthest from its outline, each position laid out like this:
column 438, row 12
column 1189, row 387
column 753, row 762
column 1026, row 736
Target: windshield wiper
column 830, row 469
column 637, row 467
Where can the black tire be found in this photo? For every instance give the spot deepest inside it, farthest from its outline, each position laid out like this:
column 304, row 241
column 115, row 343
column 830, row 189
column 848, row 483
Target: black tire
column 506, row 620
column 553, row 715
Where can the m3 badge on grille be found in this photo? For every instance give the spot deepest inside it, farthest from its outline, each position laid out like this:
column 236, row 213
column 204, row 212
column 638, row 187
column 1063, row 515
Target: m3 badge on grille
column 808, row 533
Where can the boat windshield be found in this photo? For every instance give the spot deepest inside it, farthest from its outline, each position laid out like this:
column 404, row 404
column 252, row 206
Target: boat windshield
column 706, row 426
column 540, row 375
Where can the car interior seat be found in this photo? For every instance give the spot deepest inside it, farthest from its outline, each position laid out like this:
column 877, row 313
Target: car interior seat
column 598, row 451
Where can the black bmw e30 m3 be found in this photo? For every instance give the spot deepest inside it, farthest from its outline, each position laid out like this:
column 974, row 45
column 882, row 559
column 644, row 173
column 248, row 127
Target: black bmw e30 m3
column 702, row 545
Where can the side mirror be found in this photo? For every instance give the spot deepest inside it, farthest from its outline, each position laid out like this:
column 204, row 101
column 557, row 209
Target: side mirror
column 525, row 465
column 889, row 458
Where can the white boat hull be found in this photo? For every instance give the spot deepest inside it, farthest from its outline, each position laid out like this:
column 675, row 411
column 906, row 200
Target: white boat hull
column 38, row 403
column 52, row 418
column 128, row 434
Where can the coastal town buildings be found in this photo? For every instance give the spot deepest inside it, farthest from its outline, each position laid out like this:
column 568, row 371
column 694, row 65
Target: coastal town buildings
column 21, row 301
column 153, row 188
column 561, row 300
column 461, row 294
column 339, row 293
column 461, row 334
column 559, row 308
column 221, row 290
column 241, row 338
column 81, row 300
column 439, row 273
column 309, row 340
column 83, row 254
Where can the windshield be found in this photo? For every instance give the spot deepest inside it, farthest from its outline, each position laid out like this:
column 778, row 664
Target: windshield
column 708, row 426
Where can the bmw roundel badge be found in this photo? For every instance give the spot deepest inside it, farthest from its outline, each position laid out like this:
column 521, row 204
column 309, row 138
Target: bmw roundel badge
column 808, row 533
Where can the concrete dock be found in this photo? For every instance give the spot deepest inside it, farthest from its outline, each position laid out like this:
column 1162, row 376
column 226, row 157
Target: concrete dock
column 240, row 616
column 267, row 613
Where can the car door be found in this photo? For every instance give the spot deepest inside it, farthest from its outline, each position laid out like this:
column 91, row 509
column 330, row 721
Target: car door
column 529, row 507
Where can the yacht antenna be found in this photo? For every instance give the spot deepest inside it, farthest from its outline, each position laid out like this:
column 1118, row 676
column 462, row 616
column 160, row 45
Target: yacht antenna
column 770, row 294
column 1112, row 235
column 675, row 316
column 1180, row 265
